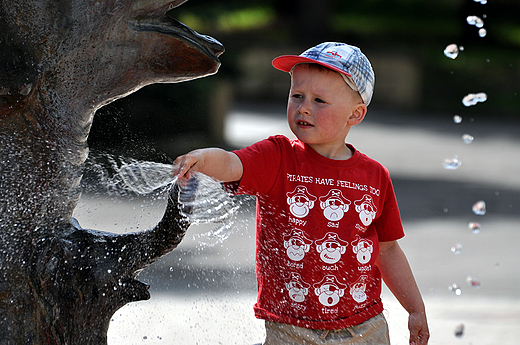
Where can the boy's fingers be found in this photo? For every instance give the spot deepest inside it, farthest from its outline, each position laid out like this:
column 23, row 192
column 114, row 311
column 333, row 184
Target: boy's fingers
column 419, row 333
column 182, row 166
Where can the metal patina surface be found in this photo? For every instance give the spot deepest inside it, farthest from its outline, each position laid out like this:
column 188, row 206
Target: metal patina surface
column 60, row 61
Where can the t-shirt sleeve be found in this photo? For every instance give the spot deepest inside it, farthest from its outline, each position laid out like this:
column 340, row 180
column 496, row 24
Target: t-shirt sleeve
column 388, row 225
column 261, row 165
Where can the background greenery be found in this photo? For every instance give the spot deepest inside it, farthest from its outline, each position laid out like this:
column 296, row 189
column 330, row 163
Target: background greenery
column 405, row 36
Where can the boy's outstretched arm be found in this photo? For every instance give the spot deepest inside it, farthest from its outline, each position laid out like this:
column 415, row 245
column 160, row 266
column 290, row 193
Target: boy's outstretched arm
column 219, row 164
column 398, row 276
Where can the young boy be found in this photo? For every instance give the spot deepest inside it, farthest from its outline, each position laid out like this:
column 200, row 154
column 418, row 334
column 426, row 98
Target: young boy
column 327, row 217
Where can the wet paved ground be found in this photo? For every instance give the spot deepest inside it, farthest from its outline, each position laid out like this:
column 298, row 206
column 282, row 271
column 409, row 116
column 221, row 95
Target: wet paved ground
column 203, row 294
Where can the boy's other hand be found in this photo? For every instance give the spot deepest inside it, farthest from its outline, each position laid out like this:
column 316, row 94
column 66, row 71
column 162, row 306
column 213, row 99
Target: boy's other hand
column 418, row 326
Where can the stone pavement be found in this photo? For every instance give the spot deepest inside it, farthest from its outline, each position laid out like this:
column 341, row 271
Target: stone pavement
column 203, row 292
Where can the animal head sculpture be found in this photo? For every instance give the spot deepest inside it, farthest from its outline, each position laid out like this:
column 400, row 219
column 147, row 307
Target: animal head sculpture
column 61, row 60
column 98, row 51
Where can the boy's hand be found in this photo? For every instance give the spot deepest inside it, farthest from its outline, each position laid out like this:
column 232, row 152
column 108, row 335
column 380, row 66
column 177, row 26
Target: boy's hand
column 216, row 163
column 418, row 327
column 184, row 165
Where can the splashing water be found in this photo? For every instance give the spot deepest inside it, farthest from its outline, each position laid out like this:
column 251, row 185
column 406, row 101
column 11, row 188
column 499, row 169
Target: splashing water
column 473, row 98
column 482, row 32
column 479, row 208
column 452, row 163
column 483, row 2
column 204, row 201
column 474, row 227
column 451, row 51
column 145, row 177
column 467, row 139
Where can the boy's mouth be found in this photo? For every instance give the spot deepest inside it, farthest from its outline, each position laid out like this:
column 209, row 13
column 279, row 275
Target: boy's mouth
column 304, row 123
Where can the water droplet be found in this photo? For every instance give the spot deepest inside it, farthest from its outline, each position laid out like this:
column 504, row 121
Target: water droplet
column 482, row 32
column 455, row 289
column 473, row 98
column 457, row 119
column 474, row 20
column 475, row 227
column 171, row 269
column 479, row 208
column 483, row 2
column 451, row 51
column 452, row 164
column 473, row 282
column 467, row 139
column 109, row 271
column 456, row 249
column 459, row 330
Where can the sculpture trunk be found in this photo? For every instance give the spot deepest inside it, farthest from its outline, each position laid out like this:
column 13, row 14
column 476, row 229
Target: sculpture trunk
column 59, row 62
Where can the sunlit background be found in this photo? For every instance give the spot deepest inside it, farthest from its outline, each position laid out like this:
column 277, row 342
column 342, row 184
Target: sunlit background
column 455, row 166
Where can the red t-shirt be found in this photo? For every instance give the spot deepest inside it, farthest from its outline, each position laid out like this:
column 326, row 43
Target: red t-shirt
column 319, row 224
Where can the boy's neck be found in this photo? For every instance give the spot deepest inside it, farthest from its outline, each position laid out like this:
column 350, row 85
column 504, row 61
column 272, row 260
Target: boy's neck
column 339, row 153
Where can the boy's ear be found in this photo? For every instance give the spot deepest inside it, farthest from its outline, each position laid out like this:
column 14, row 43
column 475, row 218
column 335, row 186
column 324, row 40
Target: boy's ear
column 358, row 114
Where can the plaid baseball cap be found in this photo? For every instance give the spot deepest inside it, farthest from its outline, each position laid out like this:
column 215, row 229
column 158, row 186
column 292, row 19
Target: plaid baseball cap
column 345, row 59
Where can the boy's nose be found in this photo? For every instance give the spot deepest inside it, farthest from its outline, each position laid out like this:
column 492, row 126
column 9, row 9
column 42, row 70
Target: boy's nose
column 303, row 109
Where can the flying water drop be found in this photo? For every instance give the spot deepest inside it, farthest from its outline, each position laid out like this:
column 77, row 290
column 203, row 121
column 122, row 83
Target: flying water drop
column 479, row 208
column 456, row 249
column 451, row 51
column 455, row 289
column 474, row 227
column 452, row 164
column 474, row 283
column 474, row 20
column 473, row 98
column 467, row 139
column 482, row 32
column 457, row 119
column 459, row 330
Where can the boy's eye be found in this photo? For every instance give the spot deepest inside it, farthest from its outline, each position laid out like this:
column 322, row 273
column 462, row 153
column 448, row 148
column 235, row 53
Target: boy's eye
column 297, row 95
column 319, row 100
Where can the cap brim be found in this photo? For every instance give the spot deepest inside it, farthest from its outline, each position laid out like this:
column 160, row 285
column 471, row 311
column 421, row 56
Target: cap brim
column 287, row 62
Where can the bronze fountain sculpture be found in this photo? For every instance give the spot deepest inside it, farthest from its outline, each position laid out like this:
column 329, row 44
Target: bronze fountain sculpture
column 60, row 61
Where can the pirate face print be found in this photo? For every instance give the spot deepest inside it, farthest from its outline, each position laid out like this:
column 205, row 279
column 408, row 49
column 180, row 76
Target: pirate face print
column 329, row 291
column 296, row 245
column 357, row 289
column 296, row 287
column 334, row 205
column 363, row 249
column 331, row 247
column 300, row 201
column 366, row 208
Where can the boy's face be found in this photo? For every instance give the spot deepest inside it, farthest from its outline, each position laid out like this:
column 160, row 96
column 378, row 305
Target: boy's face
column 321, row 110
